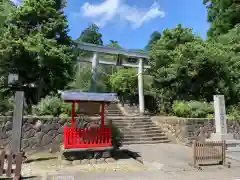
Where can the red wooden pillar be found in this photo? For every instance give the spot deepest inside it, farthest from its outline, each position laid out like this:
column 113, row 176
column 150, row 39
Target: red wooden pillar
column 73, row 113
column 102, row 116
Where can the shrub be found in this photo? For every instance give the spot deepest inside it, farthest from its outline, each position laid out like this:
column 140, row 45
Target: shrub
column 194, row 109
column 117, row 137
column 200, row 109
column 66, row 109
column 54, row 106
column 50, row 105
column 181, row 109
column 233, row 112
column 210, row 116
column 6, row 105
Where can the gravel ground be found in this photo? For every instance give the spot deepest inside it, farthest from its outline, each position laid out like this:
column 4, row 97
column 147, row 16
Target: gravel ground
column 161, row 161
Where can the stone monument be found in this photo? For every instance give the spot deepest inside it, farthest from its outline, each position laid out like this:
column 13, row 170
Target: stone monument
column 220, row 120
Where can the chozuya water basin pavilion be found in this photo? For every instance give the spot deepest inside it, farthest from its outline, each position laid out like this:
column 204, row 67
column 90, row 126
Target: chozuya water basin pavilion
column 132, row 58
column 76, row 138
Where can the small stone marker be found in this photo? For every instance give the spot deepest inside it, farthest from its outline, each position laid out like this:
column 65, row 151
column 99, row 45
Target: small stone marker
column 17, row 122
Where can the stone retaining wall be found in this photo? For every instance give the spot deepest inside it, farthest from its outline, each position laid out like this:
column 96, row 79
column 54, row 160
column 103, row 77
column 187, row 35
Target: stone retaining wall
column 39, row 132
column 47, row 132
column 187, row 129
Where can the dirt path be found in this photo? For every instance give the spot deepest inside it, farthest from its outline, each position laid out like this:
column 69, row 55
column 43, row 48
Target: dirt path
column 40, row 164
column 170, row 157
column 161, row 161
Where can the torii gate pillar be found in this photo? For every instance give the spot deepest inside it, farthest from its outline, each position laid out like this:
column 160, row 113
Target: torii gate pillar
column 140, row 86
column 94, row 72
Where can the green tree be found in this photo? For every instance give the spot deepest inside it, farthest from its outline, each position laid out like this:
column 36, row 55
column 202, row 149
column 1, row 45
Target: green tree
column 124, row 81
column 155, row 36
column 223, row 16
column 6, row 8
column 83, row 75
column 91, row 35
column 114, row 44
column 36, row 44
column 231, row 42
column 82, row 78
column 181, row 64
column 160, row 51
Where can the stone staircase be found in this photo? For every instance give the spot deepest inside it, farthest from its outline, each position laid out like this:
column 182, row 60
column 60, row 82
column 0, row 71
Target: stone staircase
column 139, row 130
column 135, row 129
column 133, row 110
column 113, row 110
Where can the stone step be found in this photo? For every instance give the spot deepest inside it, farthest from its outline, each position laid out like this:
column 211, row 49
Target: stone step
column 112, row 110
column 115, row 114
column 153, row 128
column 140, row 130
column 150, row 131
column 133, row 123
column 144, row 137
column 145, row 142
column 135, row 126
column 129, row 133
column 131, row 120
column 128, row 120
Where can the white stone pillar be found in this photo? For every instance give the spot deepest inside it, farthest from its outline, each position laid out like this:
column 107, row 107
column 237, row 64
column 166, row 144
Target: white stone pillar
column 220, row 120
column 220, row 114
column 140, row 86
column 94, row 72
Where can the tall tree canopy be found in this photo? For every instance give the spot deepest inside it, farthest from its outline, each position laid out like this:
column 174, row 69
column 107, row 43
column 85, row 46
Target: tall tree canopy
column 91, row 35
column 83, row 74
column 114, row 44
column 155, row 36
column 181, row 64
column 36, row 44
column 223, row 16
column 6, row 8
column 231, row 41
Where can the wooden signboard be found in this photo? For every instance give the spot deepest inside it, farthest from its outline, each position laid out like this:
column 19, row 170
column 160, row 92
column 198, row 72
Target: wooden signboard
column 89, row 108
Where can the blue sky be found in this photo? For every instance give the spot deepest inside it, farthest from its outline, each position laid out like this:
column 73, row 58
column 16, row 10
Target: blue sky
column 131, row 22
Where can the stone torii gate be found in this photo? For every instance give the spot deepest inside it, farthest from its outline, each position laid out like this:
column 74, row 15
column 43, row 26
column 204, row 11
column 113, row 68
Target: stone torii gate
column 96, row 59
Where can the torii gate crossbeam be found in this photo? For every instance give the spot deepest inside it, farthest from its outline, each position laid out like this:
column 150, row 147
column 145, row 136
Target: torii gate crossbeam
column 117, row 51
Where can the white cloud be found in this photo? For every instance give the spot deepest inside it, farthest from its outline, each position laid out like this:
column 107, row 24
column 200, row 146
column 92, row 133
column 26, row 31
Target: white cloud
column 109, row 10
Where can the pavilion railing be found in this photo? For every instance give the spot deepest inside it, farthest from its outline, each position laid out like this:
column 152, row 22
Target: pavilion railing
column 87, row 137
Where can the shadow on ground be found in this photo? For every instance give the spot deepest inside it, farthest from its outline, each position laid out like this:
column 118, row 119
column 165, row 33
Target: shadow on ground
column 39, row 159
column 22, row 178
column 131, row 154
column 115, row 154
